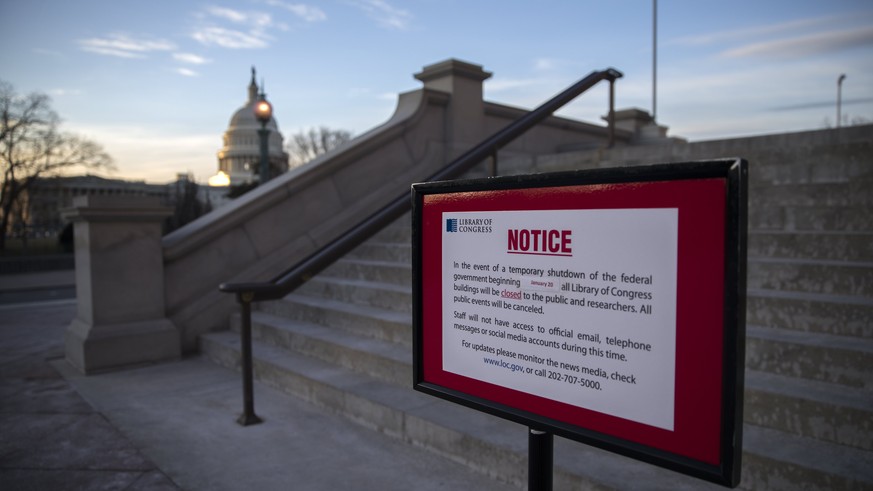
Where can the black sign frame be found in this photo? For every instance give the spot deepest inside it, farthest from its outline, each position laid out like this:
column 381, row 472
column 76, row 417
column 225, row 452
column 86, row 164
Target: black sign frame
column 734, row 172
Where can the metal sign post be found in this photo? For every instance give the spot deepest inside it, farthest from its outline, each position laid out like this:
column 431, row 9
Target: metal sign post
column 540, row 460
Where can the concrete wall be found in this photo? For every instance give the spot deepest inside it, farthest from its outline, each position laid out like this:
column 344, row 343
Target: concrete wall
column 831, row 155
column 553, row 134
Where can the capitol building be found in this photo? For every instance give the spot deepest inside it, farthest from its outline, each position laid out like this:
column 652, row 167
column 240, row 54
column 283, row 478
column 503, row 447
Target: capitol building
column 239, row 157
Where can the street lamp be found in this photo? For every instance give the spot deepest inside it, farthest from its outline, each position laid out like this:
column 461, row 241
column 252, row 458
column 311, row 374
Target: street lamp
column 263, row 113
column 840, row 98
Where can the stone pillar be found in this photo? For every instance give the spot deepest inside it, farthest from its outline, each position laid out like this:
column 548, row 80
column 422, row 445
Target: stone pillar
column 120, row 318
column 640, row 122
column 466, row 121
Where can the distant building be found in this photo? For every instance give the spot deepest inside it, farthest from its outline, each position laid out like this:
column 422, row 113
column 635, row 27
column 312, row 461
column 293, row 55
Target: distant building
column 240, row 156
column 46, row 197
column 40, row 214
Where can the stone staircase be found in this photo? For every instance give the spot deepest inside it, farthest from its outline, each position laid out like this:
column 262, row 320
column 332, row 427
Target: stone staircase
column 343, row 343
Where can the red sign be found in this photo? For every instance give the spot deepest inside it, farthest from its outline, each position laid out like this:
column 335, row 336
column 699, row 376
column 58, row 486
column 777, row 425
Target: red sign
column 604, row 306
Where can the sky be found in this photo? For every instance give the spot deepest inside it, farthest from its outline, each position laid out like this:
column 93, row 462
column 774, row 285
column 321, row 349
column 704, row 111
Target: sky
column 155, row 83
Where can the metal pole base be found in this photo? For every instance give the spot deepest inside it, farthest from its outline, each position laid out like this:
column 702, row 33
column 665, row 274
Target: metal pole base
column 540, row 460
column 248, row 416
column 248, row 419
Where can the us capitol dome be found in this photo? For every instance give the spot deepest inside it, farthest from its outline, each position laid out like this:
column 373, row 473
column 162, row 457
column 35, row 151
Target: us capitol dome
column 239, row 158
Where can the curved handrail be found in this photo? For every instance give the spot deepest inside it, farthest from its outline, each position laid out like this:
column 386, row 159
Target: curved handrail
column 301, row 272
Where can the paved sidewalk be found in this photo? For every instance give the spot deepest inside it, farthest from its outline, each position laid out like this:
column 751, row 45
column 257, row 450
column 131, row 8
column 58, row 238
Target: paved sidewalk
column 30, row 287
column 172, row 426
column 33, row 281
column 51, row 437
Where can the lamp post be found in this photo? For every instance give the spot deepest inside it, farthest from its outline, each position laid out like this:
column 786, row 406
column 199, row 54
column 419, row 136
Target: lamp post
column 840, row 98
column 263, row 113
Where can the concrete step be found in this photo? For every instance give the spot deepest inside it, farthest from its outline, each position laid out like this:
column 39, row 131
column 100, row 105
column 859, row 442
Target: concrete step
column 373, row 270
column 838, row 246
column 772, row 459
column 843, row 315
column 365, row 321
column 825, row 277
column 398, row 232
column 808, row 408
column 828, row 358
column 818, row 312
column 822, row 164
column 819, row 410
column 811, row 218
column 384, row 251
column 388, row 362
column 812, row 312
column 360, row 292
column 820, row 194
column 775, row 460
column 832, row 314
column 844, row 246
column 826, row 308
column 806, row 354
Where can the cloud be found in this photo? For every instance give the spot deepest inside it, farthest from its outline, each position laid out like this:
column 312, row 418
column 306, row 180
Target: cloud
column 228, row 14
column 747, row 32
column 237, row 29
column 818, row 43
column 229, row 38
column 385, row 14
column 821, row 104
column 306, row 12
column 500, row 84
column 64, row 92
column 543, row 64
column 191, row 58
column 123, row 46
column 255, row 20
column 187, row 72
column 248, row 30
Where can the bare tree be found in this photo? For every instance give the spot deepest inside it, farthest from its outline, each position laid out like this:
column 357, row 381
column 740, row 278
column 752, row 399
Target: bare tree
column 31, row 147
column 187, row 205
column 306, row 145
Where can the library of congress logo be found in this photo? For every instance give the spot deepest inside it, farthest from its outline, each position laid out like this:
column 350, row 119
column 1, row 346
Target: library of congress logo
column 469, row 225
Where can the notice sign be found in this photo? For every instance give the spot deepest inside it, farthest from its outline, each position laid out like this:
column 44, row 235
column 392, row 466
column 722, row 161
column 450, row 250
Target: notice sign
column 577, row 306
column 606, row 306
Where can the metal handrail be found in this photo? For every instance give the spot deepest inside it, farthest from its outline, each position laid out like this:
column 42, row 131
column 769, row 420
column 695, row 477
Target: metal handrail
column 283, row 284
